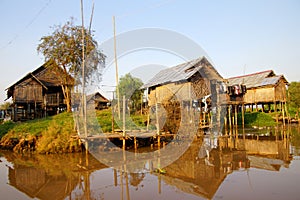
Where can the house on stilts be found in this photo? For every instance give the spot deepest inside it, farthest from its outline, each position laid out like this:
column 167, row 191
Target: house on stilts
column 39, row 93
column 262, row 90
column 194, row 86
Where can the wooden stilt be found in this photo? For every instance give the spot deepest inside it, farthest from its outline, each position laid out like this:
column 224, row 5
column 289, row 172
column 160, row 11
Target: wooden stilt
column 236, row 120
column 229, row 117
column 283, row 113
column 243, row 116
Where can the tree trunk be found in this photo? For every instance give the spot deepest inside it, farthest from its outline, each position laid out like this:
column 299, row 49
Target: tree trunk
column 67, row 96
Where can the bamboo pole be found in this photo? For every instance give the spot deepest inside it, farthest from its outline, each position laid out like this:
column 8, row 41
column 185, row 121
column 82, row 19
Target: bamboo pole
column 235, row 113
column 229, row 117
column 84, row 113
column 116, row 65
column 243, row 115
column 124, row 122
column 283, row 113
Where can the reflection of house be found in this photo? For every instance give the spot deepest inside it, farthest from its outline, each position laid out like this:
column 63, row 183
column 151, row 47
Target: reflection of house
column 37, row 94
column 266, row 152
column 52, row 176
column 263, row 88
column 98, row 99
column 35, row 183
column 200, row 172
column 202, row 176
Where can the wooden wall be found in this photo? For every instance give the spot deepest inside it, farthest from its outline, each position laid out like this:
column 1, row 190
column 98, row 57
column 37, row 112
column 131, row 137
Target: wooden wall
column 259, row 95
column 280, row 91
column 267, row 94
column 28, row 91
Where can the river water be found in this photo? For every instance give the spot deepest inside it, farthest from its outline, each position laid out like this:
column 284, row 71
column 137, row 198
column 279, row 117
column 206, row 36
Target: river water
column 213, row 167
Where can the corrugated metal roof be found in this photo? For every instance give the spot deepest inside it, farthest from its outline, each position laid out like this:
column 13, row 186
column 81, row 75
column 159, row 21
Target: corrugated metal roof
column 256, row 80
column 180, row 72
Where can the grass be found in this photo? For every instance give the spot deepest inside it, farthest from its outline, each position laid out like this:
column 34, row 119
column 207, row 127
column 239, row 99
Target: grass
column 104, row 118
column 257, row 119
column 5, row 127
column 53, row 134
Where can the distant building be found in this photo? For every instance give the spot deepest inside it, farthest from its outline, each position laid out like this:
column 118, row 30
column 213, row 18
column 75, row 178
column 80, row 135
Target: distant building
column 38, row 94
column 262, row 88
column 98, row 99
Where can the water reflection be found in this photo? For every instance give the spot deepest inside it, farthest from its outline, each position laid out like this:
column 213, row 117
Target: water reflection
column 198, row 173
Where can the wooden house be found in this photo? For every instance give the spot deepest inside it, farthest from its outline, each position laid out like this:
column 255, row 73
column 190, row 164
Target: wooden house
column 194, row 84
column 191, row 80
column 263, row 88
column 38, row 94
column 98, row 100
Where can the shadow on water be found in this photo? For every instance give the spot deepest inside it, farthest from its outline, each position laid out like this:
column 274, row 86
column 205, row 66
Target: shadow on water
column 199, row 172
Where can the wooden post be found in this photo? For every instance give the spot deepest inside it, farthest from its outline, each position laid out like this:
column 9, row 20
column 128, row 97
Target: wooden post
column 124, row 121
column 148, row 119
column 157, row 124
column 112, row 120
column 283, row 114
column 116, row 65
column 225, row 124
column 243, row 115
column 229, row 117
column 235, row 112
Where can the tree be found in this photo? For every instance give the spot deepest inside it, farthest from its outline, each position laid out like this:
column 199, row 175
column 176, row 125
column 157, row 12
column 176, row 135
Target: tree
column 294, row 95
column 130, row 87
column 63, row 48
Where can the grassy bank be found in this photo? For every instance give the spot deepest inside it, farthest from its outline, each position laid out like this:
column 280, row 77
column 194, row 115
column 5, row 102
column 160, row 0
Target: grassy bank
column 54, row 134
column 47, row 135
column 259, row 119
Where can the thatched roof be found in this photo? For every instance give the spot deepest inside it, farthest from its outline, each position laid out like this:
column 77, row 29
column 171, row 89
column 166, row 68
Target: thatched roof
column 259, row 79
column 183, row 72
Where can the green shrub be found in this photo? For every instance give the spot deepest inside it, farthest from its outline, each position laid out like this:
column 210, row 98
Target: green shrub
column 257, row 119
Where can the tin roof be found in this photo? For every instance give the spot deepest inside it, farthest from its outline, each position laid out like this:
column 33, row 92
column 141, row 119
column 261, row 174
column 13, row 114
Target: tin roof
column 258, row 79
column 183, row 72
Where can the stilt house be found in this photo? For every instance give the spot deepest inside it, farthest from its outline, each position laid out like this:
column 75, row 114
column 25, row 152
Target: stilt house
column 192, row 84
column 38, row 94
column 263, row 88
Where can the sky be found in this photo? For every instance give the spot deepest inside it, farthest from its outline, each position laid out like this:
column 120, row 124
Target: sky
column 239, row 37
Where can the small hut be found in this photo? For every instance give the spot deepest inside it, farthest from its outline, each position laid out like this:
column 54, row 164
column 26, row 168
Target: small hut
column 38, row 94
column 98, row 99
column 263, row 88
column 194, row 84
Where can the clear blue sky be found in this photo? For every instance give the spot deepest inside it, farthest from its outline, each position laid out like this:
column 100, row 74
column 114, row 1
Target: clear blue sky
column 239, row 36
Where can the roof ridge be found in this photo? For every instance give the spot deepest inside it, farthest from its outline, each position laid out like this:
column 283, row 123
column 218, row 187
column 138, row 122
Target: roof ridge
column 251, row 74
